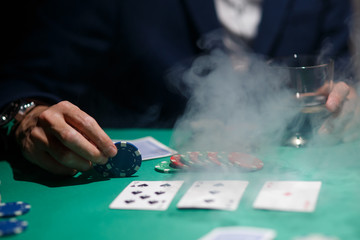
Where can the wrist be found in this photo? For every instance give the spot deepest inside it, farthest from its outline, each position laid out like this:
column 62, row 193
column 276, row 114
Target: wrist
column 12, row 114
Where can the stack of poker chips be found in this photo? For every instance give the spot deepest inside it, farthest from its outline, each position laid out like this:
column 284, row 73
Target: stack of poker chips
column 210, row 160
column 11, row 225
column 125, row 163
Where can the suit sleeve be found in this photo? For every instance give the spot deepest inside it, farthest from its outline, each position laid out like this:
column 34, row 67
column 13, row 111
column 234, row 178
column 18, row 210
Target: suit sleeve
column 70, row 40
column 336, row 26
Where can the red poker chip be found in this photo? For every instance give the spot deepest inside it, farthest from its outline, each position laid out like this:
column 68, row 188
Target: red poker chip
column 176, row 161
column 213, row 157
column 245, row 161
column 194, row 156
column 200, row 159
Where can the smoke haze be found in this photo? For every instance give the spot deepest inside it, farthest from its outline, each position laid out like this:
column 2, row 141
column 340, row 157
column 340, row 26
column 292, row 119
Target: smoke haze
column 237, row 103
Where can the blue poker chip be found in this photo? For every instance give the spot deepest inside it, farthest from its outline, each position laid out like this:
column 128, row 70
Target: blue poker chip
column 125, row 163
column 12, row 226
column 12, row 209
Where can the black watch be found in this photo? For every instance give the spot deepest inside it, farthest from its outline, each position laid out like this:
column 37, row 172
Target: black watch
column 13, row 113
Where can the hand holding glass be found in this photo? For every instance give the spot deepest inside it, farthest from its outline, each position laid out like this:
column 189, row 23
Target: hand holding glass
column 310, row 79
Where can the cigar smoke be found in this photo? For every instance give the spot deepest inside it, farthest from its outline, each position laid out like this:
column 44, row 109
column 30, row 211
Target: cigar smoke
column 237, row 103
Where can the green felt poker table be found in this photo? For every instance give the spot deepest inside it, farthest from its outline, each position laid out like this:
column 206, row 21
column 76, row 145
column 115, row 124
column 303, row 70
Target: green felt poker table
column 78, row 208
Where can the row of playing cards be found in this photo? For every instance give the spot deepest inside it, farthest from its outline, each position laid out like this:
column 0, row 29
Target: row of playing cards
column 296, row 196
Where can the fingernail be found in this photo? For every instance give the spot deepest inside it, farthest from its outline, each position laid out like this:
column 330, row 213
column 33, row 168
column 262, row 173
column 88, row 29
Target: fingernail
column 332, row 105
column 111, row 151
column 102, row 160
column 114, row 150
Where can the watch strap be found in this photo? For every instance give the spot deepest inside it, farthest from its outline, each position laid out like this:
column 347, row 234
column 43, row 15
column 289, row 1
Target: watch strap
column 14, row 113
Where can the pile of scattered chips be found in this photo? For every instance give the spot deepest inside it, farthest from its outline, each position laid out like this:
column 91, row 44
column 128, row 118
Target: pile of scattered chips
column 126, row 162
column 208, row 160
column 12, row 209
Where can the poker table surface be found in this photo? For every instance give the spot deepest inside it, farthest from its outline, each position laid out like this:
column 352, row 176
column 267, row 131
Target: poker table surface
column 78, row 207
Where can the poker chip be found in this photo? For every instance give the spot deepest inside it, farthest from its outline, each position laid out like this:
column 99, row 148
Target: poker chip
column 164, row 167
column 219, row 159
column 223, row 158
column 245, row 161
column 213, row 157
column 125, row 163
column 175, row 161
column 200, row 158
column 12, row 209
column 198, row 161
column 195, row 159
column 185, row 159
column 12, row 226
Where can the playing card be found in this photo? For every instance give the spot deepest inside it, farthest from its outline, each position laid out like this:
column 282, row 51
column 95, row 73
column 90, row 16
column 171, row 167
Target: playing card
column 151, row 148
column 298, row 196
column 147, row 195
column 243, row 233
column 316, row 236
column 223, row 195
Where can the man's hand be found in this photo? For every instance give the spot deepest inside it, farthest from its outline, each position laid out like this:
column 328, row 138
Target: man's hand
column 62, row 139
column 344, row 123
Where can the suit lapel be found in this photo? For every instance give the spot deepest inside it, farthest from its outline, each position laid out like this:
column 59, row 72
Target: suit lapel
column 274, row 15
column 203, row 15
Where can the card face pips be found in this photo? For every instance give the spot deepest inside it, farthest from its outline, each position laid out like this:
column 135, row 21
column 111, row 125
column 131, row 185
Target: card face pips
column 295, row 196
column 147, row 195
column 218, row 194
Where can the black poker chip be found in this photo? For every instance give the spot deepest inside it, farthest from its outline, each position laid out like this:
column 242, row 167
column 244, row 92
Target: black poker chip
column 125, row 163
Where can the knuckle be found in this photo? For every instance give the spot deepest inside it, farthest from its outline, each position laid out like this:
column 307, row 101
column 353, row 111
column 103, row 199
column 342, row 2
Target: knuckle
column 343, row 87
column 88, row 122
column 68, row 135
column 65, row 158
column 45, row 116
column 64, row 105
column 37, row 138
column 95, row 156
column 35, row 134
column 70, row 159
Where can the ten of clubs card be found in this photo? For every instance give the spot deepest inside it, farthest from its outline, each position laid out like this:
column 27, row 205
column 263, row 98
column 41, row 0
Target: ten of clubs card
column 147, row 195
column 297, row 196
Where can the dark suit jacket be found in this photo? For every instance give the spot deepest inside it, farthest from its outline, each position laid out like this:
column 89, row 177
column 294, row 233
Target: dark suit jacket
column 111, row 57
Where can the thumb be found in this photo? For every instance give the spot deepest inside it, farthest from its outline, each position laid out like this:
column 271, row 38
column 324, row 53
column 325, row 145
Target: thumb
column 337, row 96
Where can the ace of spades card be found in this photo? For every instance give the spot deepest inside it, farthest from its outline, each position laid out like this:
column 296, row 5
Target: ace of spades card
column 147, row 195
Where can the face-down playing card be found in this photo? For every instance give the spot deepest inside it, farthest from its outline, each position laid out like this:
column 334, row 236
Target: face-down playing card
column 240, row 233
column 221, row 195
column 147, row 195
column 298, row 196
